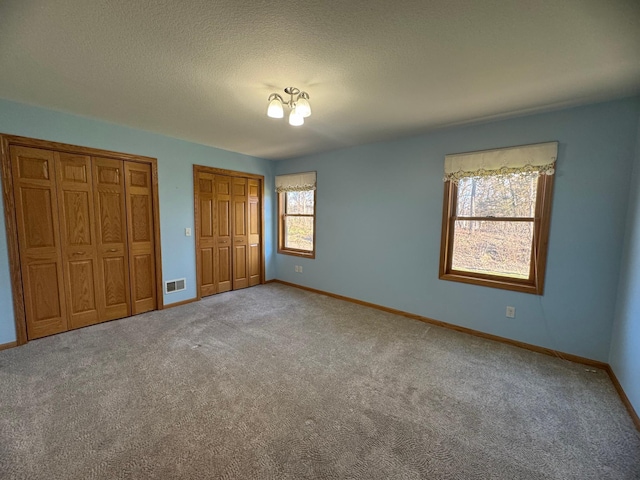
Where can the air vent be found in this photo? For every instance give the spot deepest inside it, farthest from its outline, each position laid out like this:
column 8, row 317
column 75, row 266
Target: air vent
column 172, row 286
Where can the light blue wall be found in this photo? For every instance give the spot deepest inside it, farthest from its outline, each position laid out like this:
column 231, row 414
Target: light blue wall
column 379, row 215
column 175, row 178
column 379, row 220
column 625, row 344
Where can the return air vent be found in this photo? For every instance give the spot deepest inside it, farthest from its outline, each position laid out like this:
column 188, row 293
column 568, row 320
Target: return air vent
column 177, row 285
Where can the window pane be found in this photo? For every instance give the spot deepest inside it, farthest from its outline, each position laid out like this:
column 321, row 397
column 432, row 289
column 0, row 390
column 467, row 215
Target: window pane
column 493, row 248
column 298, row 233
column 501, row 196
column 300, row 202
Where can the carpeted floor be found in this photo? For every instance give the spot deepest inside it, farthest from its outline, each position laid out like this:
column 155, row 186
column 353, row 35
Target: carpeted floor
column 273, row 382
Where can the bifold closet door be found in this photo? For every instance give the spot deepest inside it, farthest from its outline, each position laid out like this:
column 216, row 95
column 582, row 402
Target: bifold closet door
column 205, row 182
column 139, row 201
column 83, row 285
column 255, row 231
column 240, row 234
column 41, row 264
column 223, row 252
column 111, row 235
column 229, row 229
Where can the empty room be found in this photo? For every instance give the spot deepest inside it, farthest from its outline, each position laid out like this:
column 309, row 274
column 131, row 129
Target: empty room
column 320, row 239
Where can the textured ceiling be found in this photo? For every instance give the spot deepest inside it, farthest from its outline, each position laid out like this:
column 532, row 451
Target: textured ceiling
column 202, row 70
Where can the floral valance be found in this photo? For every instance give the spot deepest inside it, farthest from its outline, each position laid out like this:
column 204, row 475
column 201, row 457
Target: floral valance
column 296, row 182
column 540, row 157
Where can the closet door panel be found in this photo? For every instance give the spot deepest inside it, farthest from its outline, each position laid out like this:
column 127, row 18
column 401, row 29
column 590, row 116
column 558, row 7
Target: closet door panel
column 111, row 232
column 223, row 252
column 40, row 277
column 143, row 274
column 240, row 201
column 115, row 271
column 255, row 232
column 140, row 235
column 205, row 182
column 79, row 246
column 41, row 262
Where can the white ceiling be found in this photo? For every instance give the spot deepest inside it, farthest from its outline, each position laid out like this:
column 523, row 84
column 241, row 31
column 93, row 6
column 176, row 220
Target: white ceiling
column 202, row 70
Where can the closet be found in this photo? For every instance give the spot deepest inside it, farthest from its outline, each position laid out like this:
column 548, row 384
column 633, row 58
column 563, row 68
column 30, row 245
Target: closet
column 85, row 233
column 228, row 219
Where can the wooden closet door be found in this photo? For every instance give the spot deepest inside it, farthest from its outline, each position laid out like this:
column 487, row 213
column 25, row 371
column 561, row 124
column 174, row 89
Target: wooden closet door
column 41, row 263
column 140, row 234
column 255, row 231
column 111, row 235
column 222, row 232
column 240, row 233
column 205, row 183
column 77, row 234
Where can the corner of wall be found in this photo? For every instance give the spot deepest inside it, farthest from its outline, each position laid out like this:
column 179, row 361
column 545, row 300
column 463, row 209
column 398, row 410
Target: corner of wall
column 624, row 355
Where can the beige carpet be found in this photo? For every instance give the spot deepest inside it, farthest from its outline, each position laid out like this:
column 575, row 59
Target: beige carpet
column 273, row 382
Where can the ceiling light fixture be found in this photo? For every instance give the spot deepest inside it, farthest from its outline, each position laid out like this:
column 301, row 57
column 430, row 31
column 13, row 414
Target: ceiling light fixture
column 299, row 105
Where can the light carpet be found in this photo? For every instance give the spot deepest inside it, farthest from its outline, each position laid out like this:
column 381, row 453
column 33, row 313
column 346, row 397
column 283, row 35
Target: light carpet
column 273, row 382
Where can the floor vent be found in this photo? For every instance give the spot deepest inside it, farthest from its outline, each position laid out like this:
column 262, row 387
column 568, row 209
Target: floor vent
column 175, row 285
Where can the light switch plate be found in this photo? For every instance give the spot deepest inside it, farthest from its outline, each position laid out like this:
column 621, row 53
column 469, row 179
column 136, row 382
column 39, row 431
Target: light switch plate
column 187, row 232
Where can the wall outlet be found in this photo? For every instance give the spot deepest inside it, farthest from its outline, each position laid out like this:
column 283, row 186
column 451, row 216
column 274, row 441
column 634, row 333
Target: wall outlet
column 299, row 268
column 511, row 312
column 296, row 269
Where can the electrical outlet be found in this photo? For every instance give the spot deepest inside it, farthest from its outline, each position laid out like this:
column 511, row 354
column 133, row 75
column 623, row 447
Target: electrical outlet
column 300, row 268
column 296, row 268
column 511, row 312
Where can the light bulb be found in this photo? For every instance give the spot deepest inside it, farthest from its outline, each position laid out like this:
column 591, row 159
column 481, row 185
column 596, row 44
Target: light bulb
column 303, row 107
column 275, row 109
column 295, row 118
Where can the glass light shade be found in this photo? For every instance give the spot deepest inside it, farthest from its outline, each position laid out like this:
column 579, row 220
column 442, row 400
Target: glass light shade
column 275, row 109
column 295, row 118
column 303, row 107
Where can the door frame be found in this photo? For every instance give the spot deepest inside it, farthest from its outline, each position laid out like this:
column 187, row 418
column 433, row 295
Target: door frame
column 6, row 141
column 196, row 202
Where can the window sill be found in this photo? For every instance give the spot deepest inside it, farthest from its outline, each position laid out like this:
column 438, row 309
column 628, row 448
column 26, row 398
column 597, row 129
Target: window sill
column 503, row 283
column 297, row 253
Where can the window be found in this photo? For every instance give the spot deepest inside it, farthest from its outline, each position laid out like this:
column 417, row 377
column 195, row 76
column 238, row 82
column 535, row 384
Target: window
column 497, row 208
column 296, row 214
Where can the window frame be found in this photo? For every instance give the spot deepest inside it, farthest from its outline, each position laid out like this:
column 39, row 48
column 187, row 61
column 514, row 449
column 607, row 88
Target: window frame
column 542, row 222
column 282, row 214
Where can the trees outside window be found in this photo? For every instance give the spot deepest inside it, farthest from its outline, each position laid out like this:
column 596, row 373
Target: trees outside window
column 297, row 219
column 496, row 216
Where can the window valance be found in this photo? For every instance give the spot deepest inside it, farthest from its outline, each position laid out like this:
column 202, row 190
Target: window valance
column 540, row 157
column 296, row 182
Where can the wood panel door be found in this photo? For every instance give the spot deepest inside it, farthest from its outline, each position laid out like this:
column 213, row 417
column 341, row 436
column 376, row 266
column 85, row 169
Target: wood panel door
column 41, row 264
column 205, row 183
column 223, row 232
column 77, row 235
column 111, row 236
column 255, row 231
column 139, row 200
column 240, row 233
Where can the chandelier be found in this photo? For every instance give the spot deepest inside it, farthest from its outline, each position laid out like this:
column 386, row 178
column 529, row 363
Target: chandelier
column 298, row 103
